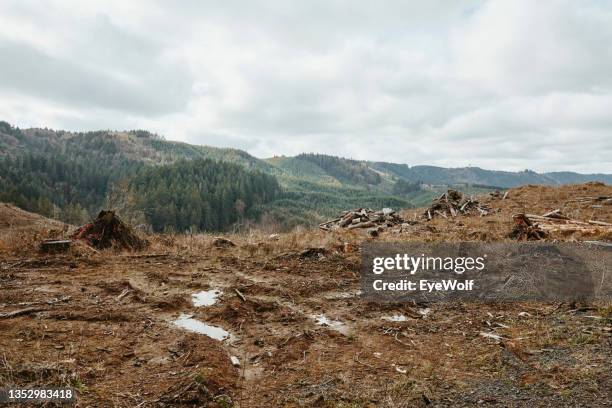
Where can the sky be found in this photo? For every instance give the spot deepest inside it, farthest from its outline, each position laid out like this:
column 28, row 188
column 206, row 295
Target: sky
column 501, row 84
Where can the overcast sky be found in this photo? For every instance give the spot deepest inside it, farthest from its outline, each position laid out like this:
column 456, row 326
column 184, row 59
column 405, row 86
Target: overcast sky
column 501, row 85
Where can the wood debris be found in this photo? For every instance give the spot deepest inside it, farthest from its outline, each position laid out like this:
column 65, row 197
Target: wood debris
column 375, row 221
column 123, row 294
column 452, row 203
column 556, row 214
column 605, row 200
column 311, row 252
column 21, row 312
column 240, row 295
column 54, row 246
column 525, row 230
column 497, row 195
column 556, row 221
column 493, row 336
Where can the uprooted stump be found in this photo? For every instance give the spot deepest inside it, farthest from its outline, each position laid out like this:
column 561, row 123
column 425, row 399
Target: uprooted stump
column 220, row 242
column 107, row 231
column 311, row 252
column 525, row 230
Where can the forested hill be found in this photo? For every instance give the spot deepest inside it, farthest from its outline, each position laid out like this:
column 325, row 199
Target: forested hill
column 113, row 147
column 71, row 175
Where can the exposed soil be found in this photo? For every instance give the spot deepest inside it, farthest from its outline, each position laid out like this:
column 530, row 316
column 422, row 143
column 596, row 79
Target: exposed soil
column 102, row 322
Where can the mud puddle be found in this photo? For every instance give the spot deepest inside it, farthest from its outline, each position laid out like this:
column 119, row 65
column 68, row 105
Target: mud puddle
column 206, row 297
column 322, row 320
column 395, row 318
column 187, row 322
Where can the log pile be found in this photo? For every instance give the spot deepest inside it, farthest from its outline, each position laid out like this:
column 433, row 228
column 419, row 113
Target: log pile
column 107, row 231
column 556, row 221
column 453, row 203
column 364, row 218
column 595, row 202
column 534, row 227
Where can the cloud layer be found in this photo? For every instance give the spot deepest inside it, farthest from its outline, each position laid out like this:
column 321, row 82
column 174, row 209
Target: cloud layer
column 506, row 84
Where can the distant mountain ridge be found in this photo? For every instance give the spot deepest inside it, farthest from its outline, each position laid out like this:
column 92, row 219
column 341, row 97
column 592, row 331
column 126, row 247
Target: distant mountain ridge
column 143, row 146
column 476, row 175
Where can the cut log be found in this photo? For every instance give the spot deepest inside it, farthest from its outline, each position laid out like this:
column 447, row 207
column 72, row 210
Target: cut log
column 603, row 224
column 555, row 220
column 346, row 220
column 329, row 222
column 555, row 214
column 366, row 224
column 55, row 246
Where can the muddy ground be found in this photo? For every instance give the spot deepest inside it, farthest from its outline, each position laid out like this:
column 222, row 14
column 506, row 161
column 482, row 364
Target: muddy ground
column 104, row 323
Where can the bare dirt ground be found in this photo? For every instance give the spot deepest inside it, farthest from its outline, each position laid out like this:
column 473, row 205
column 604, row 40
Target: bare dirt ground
column 103, row 323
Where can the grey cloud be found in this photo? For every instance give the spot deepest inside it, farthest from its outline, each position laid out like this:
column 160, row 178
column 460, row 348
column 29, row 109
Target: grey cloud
column 146, row 90
column 507, row 84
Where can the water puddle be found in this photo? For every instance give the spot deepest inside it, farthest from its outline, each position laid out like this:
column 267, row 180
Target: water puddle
column 395, row 318
column 206, row 297
column 187, row 322
column 323, row 320
column 424, row 312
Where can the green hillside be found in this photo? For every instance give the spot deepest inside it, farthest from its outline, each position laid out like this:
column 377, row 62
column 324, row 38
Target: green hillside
column 70, row 175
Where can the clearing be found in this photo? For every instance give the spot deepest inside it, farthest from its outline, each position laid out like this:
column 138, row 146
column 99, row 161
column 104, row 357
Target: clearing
column 278, row 321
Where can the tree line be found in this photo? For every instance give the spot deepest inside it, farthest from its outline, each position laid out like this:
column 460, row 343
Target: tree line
column 201, row 194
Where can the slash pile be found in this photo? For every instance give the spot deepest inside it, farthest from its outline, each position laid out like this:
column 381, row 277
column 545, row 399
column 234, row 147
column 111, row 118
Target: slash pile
column 364, row 218
column 453, row 203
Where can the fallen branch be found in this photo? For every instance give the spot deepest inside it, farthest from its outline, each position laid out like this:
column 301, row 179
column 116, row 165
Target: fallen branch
column 556, row 214
column 21, row 312
column 240, row 295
